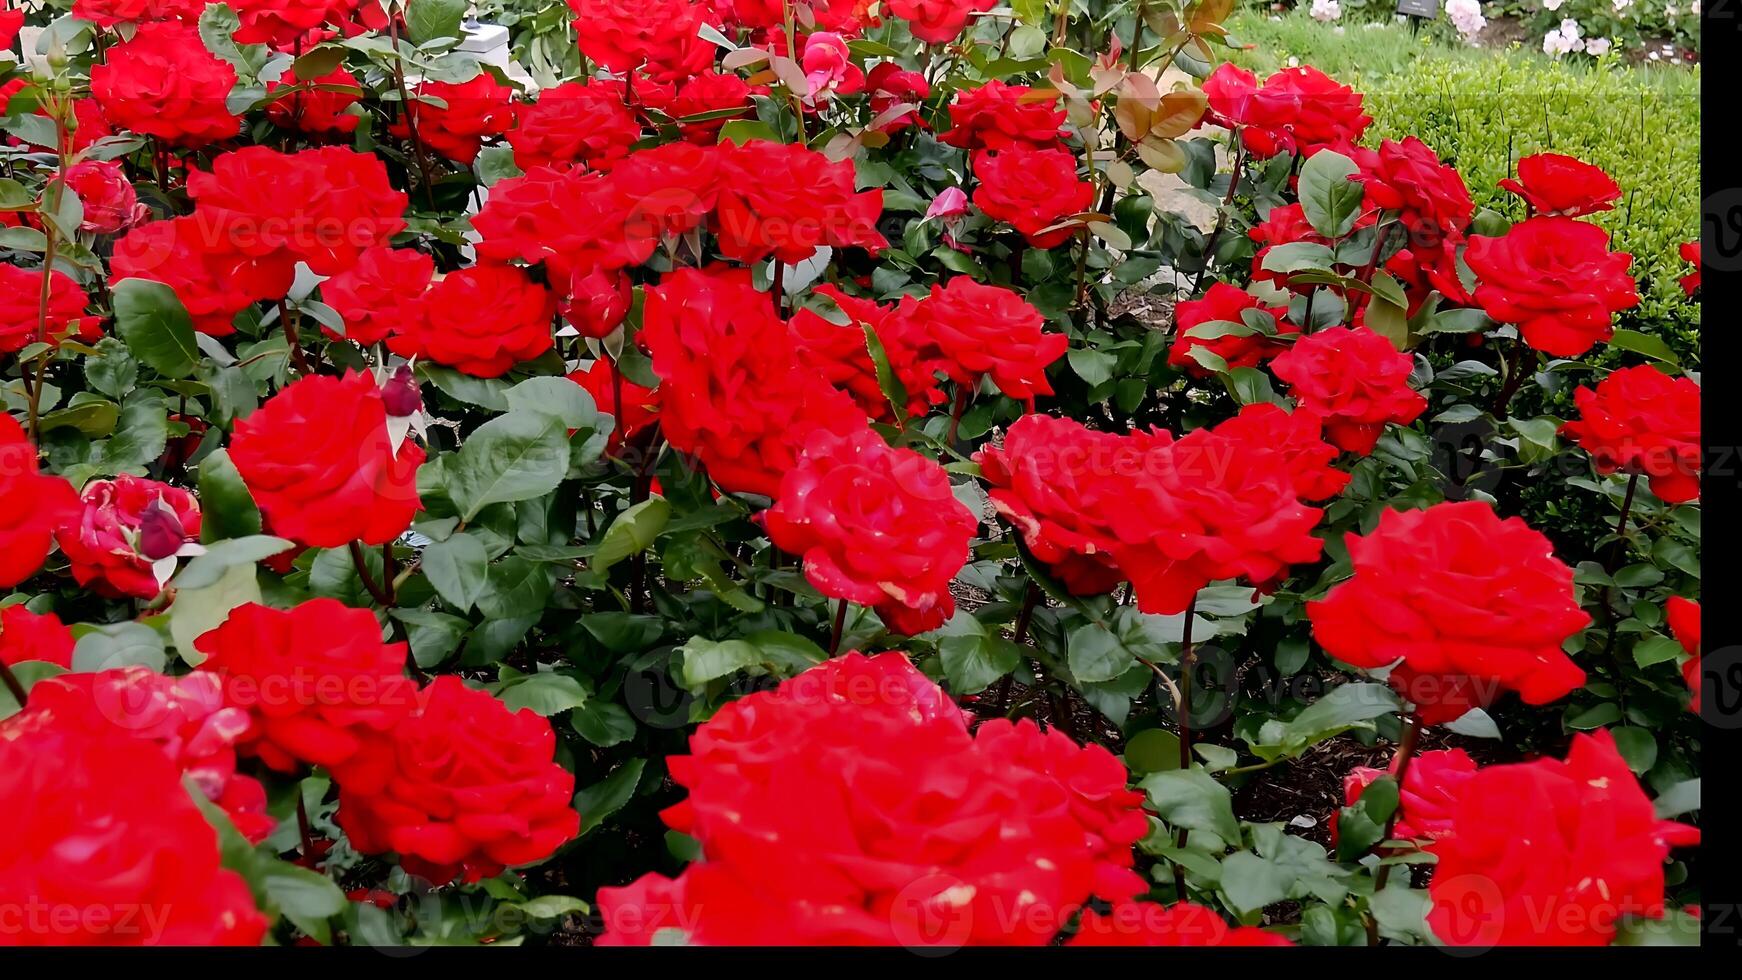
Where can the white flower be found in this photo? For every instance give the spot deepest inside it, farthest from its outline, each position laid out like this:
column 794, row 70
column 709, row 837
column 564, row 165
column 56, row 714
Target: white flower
column 1293, row 62
column 1597, row 47
column 1694, row 8
column 1563, row 40
column 1325, row 11
column 1552, row 4
column 1466, row 16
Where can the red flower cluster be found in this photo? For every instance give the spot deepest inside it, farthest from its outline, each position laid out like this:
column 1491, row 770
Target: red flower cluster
column 785, row 199
column 110, row 849
column 1430, row 197
column 1552, row 183
column 1297, row 110
column 125, row 538
column 852, row 806
column 938, row 21
column 1466, row 605
column 658, row 39
column 32, row 505
column 1225, row 304
column 381, row 295
column 1033, row 190
column 461, row 784
column 213, row 282
column 1298, row 439
column 25, row 635
column 108, row 13
column 481, row 320
column 1355, row 380
column 877, row 526
column 163, row 82
column 1180, row 924
column 321, row 463
column 1640, row 420
column 1429, row 794
column 997, row 116
column 470, row 113
column 839, row 351
column 1551, row 853
column 980, row 331
column 21, row 311
column 575, row 123
column 316, row 105
column 707, row 93
column 1556, row 278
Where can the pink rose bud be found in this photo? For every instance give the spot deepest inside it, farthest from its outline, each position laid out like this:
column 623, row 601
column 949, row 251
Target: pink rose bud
column 160, row 531
column 401, row 393
column 951, row 203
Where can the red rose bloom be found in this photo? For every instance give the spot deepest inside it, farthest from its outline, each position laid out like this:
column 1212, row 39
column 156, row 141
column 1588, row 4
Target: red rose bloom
column 708, row 92
column 664, row 190
column 475, row 111
column 1684, row 625
column 1551, row 853
column 110, row 203
column 1690, row 252
column 21, row 312
column 1303, row 110
column 890, row 86
column 785, row 199
column 108, row 13
column 320, row 462
column 938, row 21
column 597, row 301
column 1283, row 224
column 1556, row 278
column 571, row 220
column 850, row 806
column 1355, row 380
column 315, row 680
column 996, row 116
column 25, row 635
column 281, row 23
column 1230, row 90
column 1640, row 420
column 1553, row 183
column 32, row 505
column 655, row 38
column 979, row 331
column 482, row 320
column 1466, row 605
column 640, row 405
column 1225, row 303
column 462, row 784
column 344, row 204
column 125, row 538
column 877, row 526
column 110, row 849
column 574, row 123
column 164, row 83
column 1409, row 178
column 381, row 295
column 184, row 716
column 191, row 257
column 1429, row 794
column 1059, row 483
column 1032, row 190
column 839, row 352
column 1180, row 924
column 11, row 21
column 317, row 105
column 1296, row 436
column 733, row 391
column 1427, row 269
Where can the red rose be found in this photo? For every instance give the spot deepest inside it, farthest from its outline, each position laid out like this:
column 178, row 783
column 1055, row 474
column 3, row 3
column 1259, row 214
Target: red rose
column 1684, row 624
column 890, row 86
column 1690, row 252
column 462, row 784
column 316, row 682
column 1217, row 504
column 851, row 806
column 1283, row 224
column 640, row 405
column 1230, row 90
column 482, row 320
column 980, row 331
column 108, row 13
column 1303, row 110
column 657, row 38
column 190, row 256
column 184, row 716
column 110, row 203
column 319, row 460
column 574, row 123
column 574, row 221
column 707, row 93
column 1225, row 303
column 733, row 391
column 1470, row 604
column 1553, row 183
column 838, row 351
column 1297, row 437
column 473, row 112
column 1032, row 190
column 1355, row 380
column 664, row 190
column 341, row 204
column 1428, row 797
column 938, row 21
column 1556, row 278
column 996, row 116
column 25, row 635
column 1059, row 483
column 110, row 849
column 785, row 199
column 597, row 301
column 1429, row 196
column 317, row 105
column 21, row 310
column 877, row 526
column 280, row 23
column 1640, row 420
column 164, row 83
column 828, row 15
column 125, row 539
column 1551, row 853
column 380, row 295
column 11, row 21
column 1180, row 924
column 32, row 505
column 1428, row 268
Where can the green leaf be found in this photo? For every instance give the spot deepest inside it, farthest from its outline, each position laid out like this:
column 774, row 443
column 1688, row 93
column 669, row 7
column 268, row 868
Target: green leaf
column 458, row 568
column 517, row 456
column 1193, row 799
column 545, row 692
column 226, row 507
column 1606, row 713
column 27, row 674
column 1344, row 707
column 598, row 801
column 1645, row 344
column 490, row 393
column 427, row 20
column 602, row 723
column 205, row 570
column 554, row 396
column 1152, row 750
column 1401, row 913
column 119, row 645
column 1683, row 797
column 1096, row 655
column 307, row 898
column 1298, row 257
column 705, row 660
column 1637, row 746
column 112, row 370
column 199, row 610
column 1249, row 882
column 1093, row 366
column 515, row 587
column 155, row 326
column 888, row 382
column 1329, row 198
column 433, row 636
column 547, row 907
column 632, row 532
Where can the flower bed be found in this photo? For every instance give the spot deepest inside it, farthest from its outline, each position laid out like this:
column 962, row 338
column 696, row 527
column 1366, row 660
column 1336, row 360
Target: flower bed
column 733, row 496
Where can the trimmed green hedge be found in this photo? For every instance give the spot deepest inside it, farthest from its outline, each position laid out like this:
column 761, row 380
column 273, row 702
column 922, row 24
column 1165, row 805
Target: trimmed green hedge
column 1482, row 110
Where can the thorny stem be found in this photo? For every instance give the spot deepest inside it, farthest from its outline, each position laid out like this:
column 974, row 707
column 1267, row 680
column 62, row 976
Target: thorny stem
column 956, row 411
column 362, row 565
column 302, row 827
column 840, row 627
column 410, row 115
column 1514, row 378
column 293, row 340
